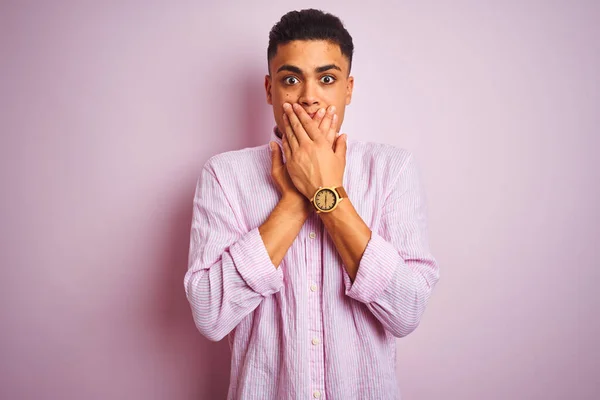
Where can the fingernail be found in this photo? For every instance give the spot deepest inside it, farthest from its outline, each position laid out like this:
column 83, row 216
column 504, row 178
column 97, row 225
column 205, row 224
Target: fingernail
column 286, row 106
column 321, row 112
column 332, row 110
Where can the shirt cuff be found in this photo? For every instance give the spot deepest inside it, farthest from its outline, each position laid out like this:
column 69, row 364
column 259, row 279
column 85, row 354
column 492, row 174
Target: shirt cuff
column 252, row 261
column 376, row 269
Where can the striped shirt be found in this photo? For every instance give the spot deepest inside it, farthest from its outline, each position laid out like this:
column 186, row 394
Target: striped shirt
column 305, row 330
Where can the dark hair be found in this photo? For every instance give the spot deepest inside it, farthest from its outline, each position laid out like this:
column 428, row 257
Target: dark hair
column 310, row 24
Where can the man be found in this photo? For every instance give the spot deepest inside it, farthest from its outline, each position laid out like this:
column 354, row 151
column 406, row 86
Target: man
column 312, row 255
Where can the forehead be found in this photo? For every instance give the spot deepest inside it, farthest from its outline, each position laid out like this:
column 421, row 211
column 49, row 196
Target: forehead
column 308, row 55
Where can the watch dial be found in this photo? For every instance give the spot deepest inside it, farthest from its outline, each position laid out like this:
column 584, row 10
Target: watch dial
column 325, row 199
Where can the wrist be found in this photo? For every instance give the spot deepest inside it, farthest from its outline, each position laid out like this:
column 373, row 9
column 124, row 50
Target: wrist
column 328, row 184
column 298, row 206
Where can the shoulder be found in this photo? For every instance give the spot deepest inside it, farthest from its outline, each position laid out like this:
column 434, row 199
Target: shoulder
column 383, row 155
column 232, row 161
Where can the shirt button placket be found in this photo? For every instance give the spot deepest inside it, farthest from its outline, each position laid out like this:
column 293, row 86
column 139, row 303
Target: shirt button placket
column 314, row 269
column 313, row 287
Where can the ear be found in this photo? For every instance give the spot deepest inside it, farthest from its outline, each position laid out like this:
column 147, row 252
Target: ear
column 268, row 89
column 349, row 89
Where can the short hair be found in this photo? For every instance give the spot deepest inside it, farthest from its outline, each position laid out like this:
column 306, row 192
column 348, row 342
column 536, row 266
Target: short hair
column 310, row 24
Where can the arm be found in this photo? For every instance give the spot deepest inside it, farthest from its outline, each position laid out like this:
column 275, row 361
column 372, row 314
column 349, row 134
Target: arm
column 392, row 271
column 283, row 225
column 230, row 271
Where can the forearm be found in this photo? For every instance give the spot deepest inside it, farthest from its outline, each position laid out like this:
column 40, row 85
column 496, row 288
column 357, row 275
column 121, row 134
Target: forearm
column 282, row 227
column 349, row 233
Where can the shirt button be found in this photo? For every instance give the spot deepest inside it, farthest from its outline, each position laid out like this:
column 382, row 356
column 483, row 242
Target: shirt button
column 312, row 235
column 316, row 341
column 313, row 287
column 316, row 394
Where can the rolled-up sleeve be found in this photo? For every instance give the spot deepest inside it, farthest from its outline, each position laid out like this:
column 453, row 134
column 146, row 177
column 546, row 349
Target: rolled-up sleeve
column 254, row 264
column 397, row 271
column 229, row 269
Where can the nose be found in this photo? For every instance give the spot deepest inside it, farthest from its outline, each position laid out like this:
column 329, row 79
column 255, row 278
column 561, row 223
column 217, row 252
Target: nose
column 309, row 97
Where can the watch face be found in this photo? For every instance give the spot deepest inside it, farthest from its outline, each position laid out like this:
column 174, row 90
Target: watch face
column 325, row 199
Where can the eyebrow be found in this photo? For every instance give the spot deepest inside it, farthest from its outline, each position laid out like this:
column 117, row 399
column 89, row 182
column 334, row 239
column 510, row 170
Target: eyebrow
column 293, row 68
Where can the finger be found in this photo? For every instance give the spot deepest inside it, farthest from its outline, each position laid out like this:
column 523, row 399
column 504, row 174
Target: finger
column 319, row 116
column 341, row 145
column 299, row 119
column 333, row 128
column 289, row 134
column 326, row 123
column 332, row 134
column 276, row 157
column 286, row 148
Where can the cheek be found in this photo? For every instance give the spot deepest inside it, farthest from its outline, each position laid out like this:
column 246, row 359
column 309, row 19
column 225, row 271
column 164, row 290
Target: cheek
column 285, row 94
column 336, row 96
column 288, row 97
column 280, row 97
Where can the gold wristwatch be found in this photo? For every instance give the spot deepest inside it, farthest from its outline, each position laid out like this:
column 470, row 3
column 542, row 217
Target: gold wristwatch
column 326, row 199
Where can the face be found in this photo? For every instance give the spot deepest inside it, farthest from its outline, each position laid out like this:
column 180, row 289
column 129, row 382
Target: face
column 312, row 73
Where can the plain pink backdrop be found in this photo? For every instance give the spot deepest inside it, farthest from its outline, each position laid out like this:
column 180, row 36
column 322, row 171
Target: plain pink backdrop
column 108, row 113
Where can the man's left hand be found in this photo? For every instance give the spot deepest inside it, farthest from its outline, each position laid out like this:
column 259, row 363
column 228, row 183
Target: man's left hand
column 310, row 159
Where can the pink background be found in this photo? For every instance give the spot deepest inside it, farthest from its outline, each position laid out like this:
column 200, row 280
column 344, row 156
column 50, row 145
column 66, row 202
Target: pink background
column 108, row 112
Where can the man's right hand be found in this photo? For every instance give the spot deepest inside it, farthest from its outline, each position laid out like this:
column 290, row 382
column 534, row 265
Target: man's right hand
column 281, row 177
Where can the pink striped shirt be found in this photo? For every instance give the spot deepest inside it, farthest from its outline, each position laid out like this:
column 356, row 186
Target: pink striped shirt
column 304, row 330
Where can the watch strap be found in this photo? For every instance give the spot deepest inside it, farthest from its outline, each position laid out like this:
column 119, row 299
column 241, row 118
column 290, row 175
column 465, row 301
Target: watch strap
column 341, row 192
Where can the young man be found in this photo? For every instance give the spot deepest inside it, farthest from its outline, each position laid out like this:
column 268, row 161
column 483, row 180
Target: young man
column 312, row 255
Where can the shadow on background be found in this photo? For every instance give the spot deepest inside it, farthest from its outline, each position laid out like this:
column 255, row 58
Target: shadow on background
column 202, row 363
column 255, row 116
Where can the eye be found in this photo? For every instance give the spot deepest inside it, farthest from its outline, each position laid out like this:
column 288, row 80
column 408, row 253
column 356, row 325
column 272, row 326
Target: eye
column 290, row 80
column 327, row 79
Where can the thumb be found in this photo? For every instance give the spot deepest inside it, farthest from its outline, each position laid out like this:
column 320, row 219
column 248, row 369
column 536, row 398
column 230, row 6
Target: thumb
column 276, row 157
column 341, row 145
